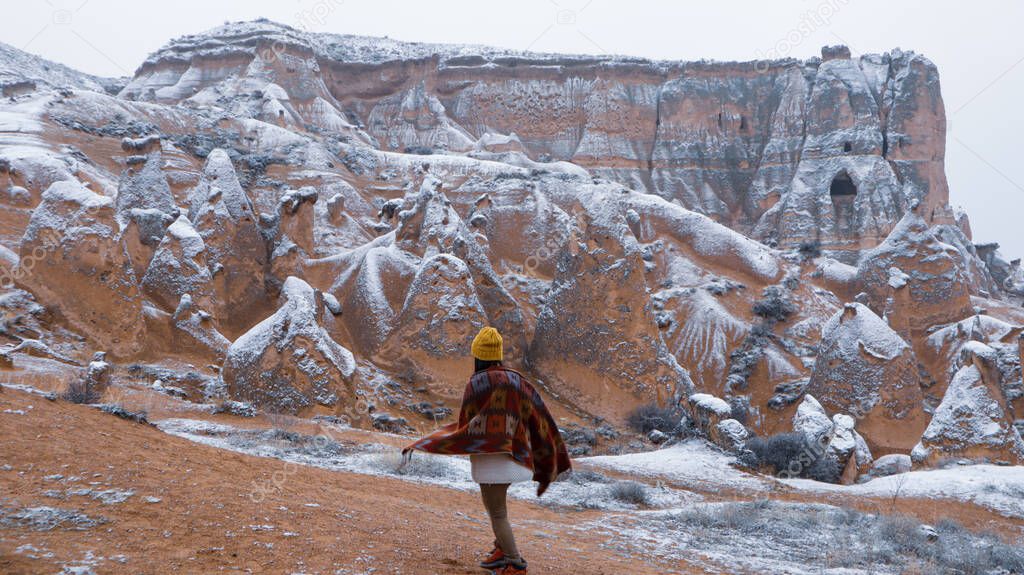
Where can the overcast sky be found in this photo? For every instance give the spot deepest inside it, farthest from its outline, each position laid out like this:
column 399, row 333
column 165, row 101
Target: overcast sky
column 978, row 47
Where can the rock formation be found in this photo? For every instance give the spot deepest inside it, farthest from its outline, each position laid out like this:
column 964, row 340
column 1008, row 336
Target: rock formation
column 224, row 216
column 973, row 421
column 914, row 280
column 725, row 139
column 596, row 336
column 73, row 261
column 866, row 370
column 179, row 267
column 288, row 362
column 441, row 315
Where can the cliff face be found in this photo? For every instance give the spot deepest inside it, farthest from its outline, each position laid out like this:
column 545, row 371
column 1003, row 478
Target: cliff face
column 786, row 151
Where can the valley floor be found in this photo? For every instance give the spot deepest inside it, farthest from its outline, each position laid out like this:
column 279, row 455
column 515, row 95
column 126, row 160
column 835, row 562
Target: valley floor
column 82, row 491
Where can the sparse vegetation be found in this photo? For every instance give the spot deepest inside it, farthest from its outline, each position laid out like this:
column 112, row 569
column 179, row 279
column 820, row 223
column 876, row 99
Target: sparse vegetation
column 809, row 250
column 848, row 538
column 647, row 418
column 629, row 492
column 80, row 391
column 118, row 410
column 419, row 150
column 792, row 455
column 774, row 305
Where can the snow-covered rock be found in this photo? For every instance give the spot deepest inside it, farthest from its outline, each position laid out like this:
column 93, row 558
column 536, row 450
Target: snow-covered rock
column 914, row 280
column 731, row 435
column 73, row 261
column 890, row 464
column 707, row 413
column 223, row 215
column 867, row 370
column 179, row 267
column 288, row 362
column 596, row 334
column 811, row 420
column 435, row 327
column 973, row 421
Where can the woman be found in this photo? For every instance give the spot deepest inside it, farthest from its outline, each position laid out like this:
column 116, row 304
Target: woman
column 510, row 437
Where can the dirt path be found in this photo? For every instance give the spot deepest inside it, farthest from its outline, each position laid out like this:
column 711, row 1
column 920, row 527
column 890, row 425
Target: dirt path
column 306, row 520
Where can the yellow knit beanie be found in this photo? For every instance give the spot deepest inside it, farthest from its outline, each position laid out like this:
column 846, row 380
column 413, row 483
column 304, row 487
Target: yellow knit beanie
column 487, row 345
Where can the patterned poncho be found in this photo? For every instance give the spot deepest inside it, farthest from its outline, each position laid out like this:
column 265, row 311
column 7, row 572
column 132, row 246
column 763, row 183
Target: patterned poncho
column 502, row 413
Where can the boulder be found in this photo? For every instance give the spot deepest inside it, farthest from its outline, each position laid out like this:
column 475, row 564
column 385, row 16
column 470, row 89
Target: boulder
column 887, row 465
column 706, row 412
column 73, row 261
column 973, row 421
column 867, row 370
column 288, row 362
column 915, row 280
column 812, row 421
column 731, row 435
column 179, row 267
column 849, row 448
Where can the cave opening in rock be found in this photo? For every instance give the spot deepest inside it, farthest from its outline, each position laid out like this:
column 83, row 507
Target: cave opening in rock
column 847, row 147
column 844, row 193
column 842, row 185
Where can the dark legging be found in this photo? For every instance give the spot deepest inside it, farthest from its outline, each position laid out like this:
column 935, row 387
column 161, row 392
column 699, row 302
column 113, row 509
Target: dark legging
column 494, row 502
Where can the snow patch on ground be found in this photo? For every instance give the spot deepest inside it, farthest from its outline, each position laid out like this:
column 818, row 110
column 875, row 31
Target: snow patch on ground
column 691, row 463
column 996, row 487
column 586, row 490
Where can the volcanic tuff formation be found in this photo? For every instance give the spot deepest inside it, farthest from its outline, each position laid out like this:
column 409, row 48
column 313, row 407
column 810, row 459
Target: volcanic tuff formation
column 328, row 219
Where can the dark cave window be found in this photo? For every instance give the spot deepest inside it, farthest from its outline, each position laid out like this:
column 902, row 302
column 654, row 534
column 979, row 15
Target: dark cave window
column 842, row 185
column 847, row 147
column 743, row 123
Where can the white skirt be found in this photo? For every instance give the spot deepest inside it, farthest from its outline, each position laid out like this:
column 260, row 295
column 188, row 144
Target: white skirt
column 498, row 468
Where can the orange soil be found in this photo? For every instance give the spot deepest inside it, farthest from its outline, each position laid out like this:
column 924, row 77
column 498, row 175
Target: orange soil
column 202, row 523
column 205, row 520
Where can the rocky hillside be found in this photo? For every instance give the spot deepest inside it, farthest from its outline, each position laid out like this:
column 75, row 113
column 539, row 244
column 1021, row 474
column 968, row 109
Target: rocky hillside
column 754, row 145
column 316, row 225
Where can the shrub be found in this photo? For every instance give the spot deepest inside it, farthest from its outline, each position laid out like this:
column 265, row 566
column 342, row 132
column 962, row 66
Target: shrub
column 419, row 150
column 809, row 250
column 790, row 454
column 777, row 451
column 630, row 492
column 80, row 391
column 584, row 476
column 120, row 411
column 774, row 305
column 824, row 469
column 647, row 418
